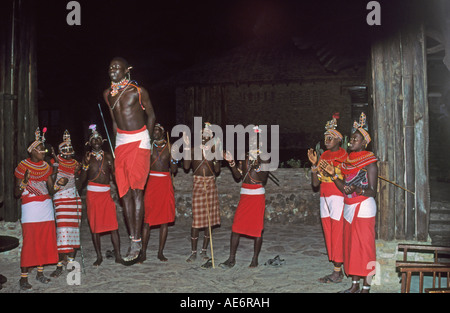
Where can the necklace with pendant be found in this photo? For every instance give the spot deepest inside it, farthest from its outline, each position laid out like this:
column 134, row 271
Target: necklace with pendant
column 98, row 154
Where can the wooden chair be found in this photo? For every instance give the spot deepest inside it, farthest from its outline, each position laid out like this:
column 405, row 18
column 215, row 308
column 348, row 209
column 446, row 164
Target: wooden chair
column 407, row 268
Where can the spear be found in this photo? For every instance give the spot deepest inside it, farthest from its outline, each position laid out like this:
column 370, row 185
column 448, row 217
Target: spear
column 106, row 129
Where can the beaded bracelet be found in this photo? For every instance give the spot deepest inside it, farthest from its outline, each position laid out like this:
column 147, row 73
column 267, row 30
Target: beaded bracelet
column 85, row 167
column 336, row 176
column 22, row 185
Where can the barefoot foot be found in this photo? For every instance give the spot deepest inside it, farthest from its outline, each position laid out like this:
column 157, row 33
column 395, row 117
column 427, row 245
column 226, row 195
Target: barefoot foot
column 98, row 261
column 161, row 257
column 57, row 272
column 24, row 284
column 192, row 257
column 254, row 263
column 228, row 264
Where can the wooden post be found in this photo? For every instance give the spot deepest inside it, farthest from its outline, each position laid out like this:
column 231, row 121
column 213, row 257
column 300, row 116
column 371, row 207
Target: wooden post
column 396, row 169
column 408, row 129
column 400, row 117
column 384, row 204
column 3, row 48
column 421, row 135
column 18, row 113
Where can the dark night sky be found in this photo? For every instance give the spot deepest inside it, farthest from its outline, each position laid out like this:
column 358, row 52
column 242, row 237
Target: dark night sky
column 158, row 38
column 161, row 38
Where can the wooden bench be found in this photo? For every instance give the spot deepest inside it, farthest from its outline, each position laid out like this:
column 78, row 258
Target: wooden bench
column 437, row 267
column 437, row 290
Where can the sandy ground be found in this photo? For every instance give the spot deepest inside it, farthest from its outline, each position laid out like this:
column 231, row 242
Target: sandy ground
column 301, row 246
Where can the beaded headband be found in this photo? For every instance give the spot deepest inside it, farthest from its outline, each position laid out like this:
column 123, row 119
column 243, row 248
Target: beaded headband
column 95, row 134
column 361, row 127
column 38, row 138
column 67, row 143
column 331, row 127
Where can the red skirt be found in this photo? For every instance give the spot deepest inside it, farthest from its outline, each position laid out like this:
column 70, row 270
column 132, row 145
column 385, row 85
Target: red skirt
column 359, row 241
column 333, row 232
column 39, row 244
column 249, row 216
column 101, row 208
column 132, row 159
column 331, row 212
column 159, row 199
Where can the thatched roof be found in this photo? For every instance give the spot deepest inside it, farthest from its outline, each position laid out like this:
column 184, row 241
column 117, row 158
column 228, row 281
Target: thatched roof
column 260, row 62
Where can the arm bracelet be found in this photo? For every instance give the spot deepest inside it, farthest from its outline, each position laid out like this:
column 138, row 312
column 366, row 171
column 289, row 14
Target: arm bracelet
column 23, row 185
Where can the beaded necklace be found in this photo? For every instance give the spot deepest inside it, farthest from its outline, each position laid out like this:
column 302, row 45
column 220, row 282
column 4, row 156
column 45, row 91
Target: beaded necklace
column 159, row 143
column 357, row 160
column 67, row 166
column 38, row 171
column 336, row 157
column 115, row 87
column 123, row 85
column 97, row 154
column 355, row 157
column 67, row 163
column 158, row 153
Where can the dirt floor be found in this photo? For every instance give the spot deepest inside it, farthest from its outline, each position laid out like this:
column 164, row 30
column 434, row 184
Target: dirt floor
column 301, row 246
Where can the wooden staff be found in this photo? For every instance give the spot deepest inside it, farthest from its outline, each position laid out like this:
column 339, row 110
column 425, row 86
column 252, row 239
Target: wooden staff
column 385, row 179
column 391, row 182
column 170, row 156
column 106, row 129
column 209, row 220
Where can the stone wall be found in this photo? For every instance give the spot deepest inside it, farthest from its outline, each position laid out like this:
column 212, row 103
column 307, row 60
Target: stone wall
column 292, row 202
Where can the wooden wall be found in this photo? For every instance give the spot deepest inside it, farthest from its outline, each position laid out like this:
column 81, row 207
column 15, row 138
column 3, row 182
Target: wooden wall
column 400, row 119
column 18, row 99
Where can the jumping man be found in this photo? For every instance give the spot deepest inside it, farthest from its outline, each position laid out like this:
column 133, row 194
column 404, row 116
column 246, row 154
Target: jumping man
column 133, row 122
